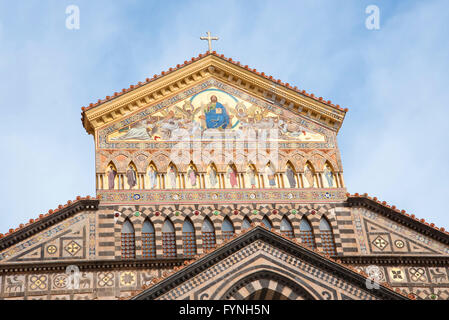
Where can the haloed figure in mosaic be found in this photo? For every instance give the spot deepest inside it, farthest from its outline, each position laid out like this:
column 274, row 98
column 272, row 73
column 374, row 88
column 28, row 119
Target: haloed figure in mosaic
column 270, row 173
column 191, row 173
column 111, row 177
column 216, row 115
column 172, row 176
column 290, row 176
column 251, row 173
column 131, row 176
column 329, row 175
column 212, row 176
column 232, row 176
column 152, row 175
column 309, row 176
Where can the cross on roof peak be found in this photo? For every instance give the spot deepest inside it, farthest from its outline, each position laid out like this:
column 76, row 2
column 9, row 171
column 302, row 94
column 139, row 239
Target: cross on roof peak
column 209, row 39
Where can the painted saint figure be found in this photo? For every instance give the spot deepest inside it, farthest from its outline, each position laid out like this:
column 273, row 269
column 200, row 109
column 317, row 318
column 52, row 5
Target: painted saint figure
column 290, row 176
column 329, row 175
column 216, row 114
column 232, row 176
column 172, row 176
column 212, row 176
column 251, row 175
column 309, row 176
column 191, row 173
column 152, row 175
column 131, row 176
column 269, row 171
column 111, row 177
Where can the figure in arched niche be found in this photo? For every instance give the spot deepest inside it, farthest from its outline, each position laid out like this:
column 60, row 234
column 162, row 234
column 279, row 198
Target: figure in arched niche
column 172, row 174
column 251, row 173
column 212, row 175
column 192, row 175
column 329, row 175
column 270, row 173
column 309, row 174
column 131, row 176
column 232, row 175
column 152, row 175
column 111, row 176
column 290, row 173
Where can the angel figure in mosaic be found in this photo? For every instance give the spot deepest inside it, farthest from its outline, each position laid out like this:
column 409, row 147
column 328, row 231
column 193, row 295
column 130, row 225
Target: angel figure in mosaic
column 131, row 177
column 329, row 175
column 187, row 112
column 270, row 173
column 111, row 177
column 212, row 176
column 152, row 175
column 250, row 172
column 172, row 174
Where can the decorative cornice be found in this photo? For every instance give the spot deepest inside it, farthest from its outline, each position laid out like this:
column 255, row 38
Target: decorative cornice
column 47, row 220
column 415, row 260
column 291, row 246
column 163, row 86
column 400, row 216
column 86, row 265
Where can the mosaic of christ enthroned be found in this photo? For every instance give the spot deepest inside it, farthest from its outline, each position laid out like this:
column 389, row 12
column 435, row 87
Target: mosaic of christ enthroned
column 212, row 110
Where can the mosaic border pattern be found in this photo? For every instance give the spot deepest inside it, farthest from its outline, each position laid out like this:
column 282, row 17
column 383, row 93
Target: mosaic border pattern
column 220, row 196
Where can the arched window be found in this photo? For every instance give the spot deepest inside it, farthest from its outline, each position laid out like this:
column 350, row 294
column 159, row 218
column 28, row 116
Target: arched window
column 227, row 229
column 148, row 240
column 306, row 233
column 267, row 222
column 327, row 237
column 188, row 239
column 208, row 235
column 128, row 241
column 286, row 228
column 246, row 224
column 168, row 239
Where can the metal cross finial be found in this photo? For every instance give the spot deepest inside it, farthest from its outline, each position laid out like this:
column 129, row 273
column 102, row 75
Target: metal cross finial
column 209, row 39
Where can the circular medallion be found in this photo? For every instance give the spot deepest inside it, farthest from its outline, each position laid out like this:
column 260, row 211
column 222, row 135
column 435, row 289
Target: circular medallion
column 399, row 244
column 52, row 249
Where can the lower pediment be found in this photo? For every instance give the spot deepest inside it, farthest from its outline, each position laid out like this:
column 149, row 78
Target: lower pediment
column 262, row 264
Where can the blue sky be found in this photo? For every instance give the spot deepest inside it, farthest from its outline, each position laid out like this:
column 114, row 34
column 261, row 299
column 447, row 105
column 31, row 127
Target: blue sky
column 393, row 80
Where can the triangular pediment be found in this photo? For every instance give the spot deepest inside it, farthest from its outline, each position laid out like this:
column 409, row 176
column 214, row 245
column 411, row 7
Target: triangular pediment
column 260, row 262
column 171, row 87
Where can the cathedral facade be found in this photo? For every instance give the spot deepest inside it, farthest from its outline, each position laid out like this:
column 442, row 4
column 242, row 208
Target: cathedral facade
column 216, row 181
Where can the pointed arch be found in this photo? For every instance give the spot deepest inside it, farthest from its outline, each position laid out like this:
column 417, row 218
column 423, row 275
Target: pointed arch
column 327, row 237
column 152, row 175
column 227, row 228
column 310, row 176
column 306, row 233
column 173, row 179
column 132, row 178
column 168, row 239
column 128, row 240
column 112, row 174
column 329, row 180
column 267, row 222
column 188, row 238
column 213, row 178
column 148, row 240
column 287, row 228
column 246, row 223
column 208, row 234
